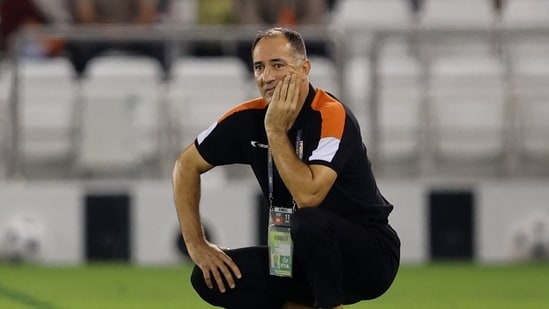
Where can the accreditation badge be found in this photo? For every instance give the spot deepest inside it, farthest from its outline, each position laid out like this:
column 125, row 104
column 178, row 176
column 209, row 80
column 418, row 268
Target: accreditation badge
column 280, row 242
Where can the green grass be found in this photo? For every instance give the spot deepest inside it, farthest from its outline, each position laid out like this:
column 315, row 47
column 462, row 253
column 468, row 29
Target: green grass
column 114, row 286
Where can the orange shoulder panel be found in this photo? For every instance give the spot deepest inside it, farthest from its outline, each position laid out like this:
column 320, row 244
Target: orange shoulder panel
column 332, row 113
column 257, row 103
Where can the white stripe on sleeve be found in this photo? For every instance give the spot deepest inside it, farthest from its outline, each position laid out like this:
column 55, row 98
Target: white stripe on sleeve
column 202, row 136
column 326, row 150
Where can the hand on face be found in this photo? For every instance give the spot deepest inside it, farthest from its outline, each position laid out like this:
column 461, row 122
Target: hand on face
column 283, row 108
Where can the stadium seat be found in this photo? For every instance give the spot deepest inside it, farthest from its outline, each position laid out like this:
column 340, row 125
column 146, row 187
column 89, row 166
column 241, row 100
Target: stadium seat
column 530, row 82
column 450, row 14
column 525, row 13
column 323, row 74
column 526, row 48
column 182, row 11
column 121, row 98
column 529, row 69
column 357, row 87
column 378, row 13
column 399, row 113
column 457, row 13
column 467, row 101
column 47, row 94
column 202, row 89
column 356, row 16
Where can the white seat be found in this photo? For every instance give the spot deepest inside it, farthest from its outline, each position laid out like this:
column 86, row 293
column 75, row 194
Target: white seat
column 525, row 13
column 357, row 87
column 530, row 77
column 373, row 13
column 108, row 143
column 360, row 17
column 467, row 106
column 182, row 11
column 457, row 13
column 323, row 74
column 400, row 98
column 530, row 82
column 202, row 89
column 47, row 94
column 450, row 14
column 129, row 89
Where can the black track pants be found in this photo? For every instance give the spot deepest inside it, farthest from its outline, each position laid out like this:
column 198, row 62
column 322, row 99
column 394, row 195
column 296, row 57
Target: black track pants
column 335, row 262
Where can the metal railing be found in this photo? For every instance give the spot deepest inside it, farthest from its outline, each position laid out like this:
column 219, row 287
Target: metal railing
column 339, row 40
column 173, row 35
column 500, row 37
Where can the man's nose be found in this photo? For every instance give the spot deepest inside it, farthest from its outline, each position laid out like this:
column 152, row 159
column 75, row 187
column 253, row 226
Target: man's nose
column 267, row 75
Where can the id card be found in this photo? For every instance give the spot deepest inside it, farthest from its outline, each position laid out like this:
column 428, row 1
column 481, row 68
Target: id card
column 280, row 250
column 281, row 216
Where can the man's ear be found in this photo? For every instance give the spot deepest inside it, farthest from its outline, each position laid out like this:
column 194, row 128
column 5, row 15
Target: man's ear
column 306, row 67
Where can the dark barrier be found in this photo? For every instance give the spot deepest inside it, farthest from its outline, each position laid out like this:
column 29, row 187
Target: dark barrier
column 451, row 225
column 107, row 220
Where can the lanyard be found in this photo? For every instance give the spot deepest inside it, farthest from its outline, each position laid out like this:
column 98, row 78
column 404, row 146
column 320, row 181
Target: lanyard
column 270, row 169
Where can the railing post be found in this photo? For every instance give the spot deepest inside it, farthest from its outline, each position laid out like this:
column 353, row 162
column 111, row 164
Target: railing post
column 373, row 101
column 14, row 136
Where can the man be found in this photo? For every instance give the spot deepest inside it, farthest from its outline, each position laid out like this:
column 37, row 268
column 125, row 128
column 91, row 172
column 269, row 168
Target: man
column 343, row 249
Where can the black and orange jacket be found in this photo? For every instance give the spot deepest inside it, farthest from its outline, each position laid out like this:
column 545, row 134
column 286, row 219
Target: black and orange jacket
column 331, row 137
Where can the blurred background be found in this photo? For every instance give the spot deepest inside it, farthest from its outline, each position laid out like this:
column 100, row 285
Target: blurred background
column 97, row 99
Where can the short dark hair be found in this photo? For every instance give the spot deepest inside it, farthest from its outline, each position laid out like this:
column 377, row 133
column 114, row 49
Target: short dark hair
column 294, row 37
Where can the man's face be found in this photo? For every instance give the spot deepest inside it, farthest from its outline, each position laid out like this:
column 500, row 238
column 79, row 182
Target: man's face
column 273, row 59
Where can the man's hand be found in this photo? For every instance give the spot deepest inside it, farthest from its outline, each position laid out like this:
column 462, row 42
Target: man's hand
column 215, row 263
column 283, row 108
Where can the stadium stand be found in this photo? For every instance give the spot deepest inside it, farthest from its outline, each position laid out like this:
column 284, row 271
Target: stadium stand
column 447, row 91
column 398, row 74
column 465, row 85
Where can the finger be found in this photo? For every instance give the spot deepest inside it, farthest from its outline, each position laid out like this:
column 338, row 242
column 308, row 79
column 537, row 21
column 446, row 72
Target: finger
column 276, row 93
column 231, row 272
column 293, row 90
column 231, row 264
column 235, row 269
column 207, row 279
column 284, row 89
column 228, row 277
column 218, row 280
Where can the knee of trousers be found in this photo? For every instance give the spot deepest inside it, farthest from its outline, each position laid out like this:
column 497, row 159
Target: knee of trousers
column 310, row 225
column 199, row 285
